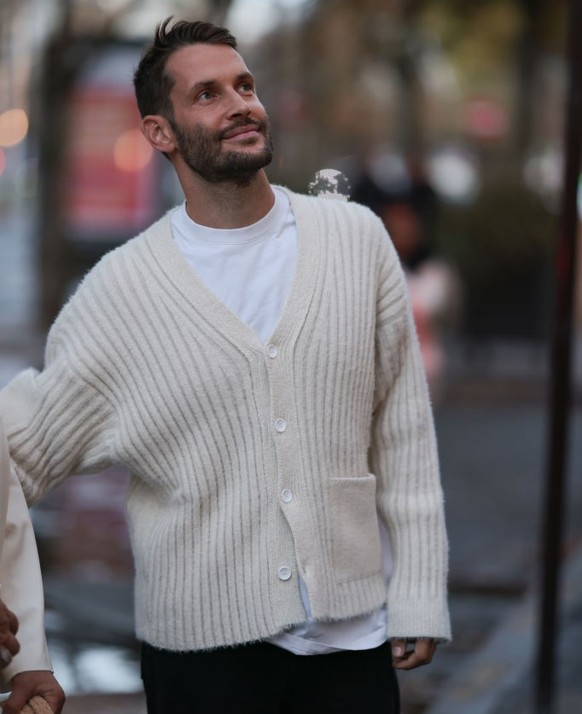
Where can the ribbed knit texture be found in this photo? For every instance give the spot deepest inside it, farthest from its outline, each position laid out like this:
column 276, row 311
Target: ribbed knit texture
column 145, row 367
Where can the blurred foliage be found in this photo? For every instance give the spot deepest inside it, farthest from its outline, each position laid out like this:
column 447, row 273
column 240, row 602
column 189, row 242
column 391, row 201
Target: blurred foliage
column 502, row 246
column 507, row 225
column 402, row 72
column 479, row 38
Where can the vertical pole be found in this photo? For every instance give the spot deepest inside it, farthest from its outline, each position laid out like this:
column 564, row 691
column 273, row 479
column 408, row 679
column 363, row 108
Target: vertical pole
column 55, row 81
column 560, row 375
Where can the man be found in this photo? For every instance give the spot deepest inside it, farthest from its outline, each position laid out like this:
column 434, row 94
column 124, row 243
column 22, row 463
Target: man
column 251, row 359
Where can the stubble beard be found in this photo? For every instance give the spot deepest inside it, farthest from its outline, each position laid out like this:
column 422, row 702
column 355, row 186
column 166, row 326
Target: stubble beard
column 202, row 152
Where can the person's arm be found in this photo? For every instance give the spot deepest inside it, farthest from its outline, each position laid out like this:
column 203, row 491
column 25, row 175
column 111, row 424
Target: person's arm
column 403, row 455
column 27, row 666
column 21, row 581
column 57, row 422
column 9, row 645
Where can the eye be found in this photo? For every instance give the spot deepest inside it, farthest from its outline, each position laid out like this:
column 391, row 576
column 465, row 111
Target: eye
column 204, row 96
column 246, row 87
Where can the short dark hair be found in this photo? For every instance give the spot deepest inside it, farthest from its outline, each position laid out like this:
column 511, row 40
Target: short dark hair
column 151, row 82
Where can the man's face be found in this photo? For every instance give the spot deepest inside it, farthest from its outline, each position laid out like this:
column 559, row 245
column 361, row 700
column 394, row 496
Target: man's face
column 221, row 129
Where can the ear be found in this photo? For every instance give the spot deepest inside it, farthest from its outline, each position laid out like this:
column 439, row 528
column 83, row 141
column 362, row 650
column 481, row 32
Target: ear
column 158, row 132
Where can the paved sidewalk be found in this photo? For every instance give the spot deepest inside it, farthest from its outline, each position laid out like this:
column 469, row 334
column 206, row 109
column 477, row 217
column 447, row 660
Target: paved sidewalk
column 106, row 704
column 499, row 678
column 496, row 678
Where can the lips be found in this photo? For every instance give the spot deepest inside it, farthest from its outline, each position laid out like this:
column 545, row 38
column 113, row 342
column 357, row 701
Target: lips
column 241, row 130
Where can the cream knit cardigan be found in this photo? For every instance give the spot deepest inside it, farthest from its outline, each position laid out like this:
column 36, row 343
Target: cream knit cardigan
column 250, row 463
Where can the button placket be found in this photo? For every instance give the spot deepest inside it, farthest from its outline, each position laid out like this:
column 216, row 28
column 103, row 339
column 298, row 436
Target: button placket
column 282, row 421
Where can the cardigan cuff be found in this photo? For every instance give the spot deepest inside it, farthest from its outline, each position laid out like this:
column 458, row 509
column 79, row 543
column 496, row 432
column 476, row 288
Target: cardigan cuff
column 413, row 619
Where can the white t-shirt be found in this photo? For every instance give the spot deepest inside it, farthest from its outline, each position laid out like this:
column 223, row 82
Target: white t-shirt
column 250, row 270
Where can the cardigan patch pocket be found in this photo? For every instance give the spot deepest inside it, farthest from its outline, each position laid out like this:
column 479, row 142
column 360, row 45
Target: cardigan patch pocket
column 354, row 529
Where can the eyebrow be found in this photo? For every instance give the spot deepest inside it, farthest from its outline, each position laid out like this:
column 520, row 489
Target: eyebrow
column 208, row 83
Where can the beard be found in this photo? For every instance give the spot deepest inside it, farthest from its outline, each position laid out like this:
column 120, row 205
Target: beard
column 202, row 151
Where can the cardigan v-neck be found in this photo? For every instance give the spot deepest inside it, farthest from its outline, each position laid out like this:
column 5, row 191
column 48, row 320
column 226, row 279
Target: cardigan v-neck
column 173, row 263
column 250, row 269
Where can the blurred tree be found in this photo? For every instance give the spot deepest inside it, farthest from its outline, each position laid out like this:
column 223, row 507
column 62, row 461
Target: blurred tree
column 544, row 30
column 502, row 246
column 57, row 75
column 401, row 71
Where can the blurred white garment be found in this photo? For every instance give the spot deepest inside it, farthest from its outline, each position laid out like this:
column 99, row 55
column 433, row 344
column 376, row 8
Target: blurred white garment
column 20, row 575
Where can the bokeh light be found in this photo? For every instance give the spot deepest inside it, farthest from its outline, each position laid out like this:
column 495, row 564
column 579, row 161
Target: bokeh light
column 543, row 172
column 454, row 174
column 131, row 151
column 13, row 127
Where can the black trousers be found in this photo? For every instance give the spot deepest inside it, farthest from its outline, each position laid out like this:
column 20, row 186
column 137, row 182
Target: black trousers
column 265, row 679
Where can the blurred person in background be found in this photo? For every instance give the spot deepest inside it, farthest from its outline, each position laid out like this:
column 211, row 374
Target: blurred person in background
column 433, row 286
column 251, row 359
column 407, row 206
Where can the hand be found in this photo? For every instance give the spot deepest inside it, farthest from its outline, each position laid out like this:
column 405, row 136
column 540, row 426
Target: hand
column 8, row 628
column 28, row 684
column 406, row 658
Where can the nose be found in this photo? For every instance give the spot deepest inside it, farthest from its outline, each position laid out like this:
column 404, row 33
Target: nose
column 237, row 104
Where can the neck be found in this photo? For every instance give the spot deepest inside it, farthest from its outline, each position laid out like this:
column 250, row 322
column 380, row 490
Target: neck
column 227, row 204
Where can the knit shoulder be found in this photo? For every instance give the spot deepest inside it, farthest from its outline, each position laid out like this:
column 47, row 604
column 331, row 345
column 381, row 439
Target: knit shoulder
column 103, row 292
column 356, row 222
column 330, row 204
column 130, row 255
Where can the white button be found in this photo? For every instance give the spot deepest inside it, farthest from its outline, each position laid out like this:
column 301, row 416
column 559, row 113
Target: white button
column 286, row 495
column 284, row 573
column 272, row 350
column 280, row 425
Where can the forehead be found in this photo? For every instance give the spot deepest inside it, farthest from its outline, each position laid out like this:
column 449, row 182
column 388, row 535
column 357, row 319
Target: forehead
column 204, row 63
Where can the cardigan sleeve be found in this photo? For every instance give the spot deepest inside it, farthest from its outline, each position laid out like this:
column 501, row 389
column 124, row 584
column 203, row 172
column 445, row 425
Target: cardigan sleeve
column 403, row 455
column 57, row 421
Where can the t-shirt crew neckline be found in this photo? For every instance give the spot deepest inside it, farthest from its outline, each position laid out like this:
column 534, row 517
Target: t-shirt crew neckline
column 268, row 226
column 216, row 315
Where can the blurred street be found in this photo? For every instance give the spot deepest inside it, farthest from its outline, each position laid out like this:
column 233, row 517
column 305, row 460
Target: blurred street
column 458, row 125
column 492, row 433
column 106, row 704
